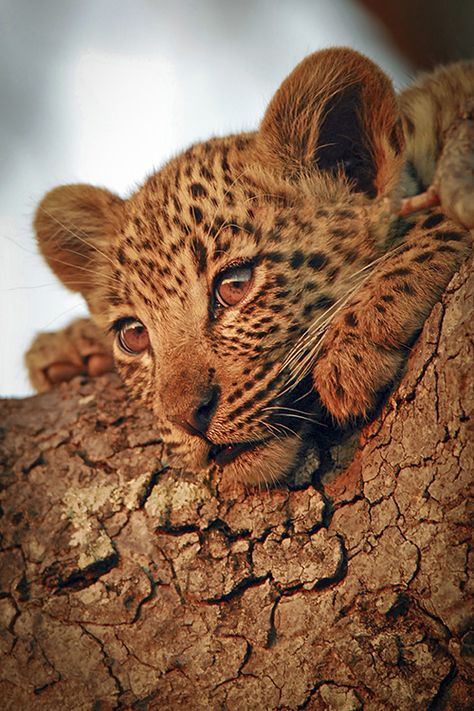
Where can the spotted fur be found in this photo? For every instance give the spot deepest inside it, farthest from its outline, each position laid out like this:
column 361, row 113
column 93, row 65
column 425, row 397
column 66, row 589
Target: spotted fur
column 339, row 289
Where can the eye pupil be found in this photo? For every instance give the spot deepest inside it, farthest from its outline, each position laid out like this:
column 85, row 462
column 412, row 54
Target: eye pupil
column 133, row 337
column 233, row 284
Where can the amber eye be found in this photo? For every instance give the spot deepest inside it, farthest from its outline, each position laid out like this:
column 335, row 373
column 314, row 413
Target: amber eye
column 132, row 337
column 233, row 284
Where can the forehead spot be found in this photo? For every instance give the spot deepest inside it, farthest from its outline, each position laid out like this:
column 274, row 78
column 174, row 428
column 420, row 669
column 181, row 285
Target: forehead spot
column 317, row 260
column 281, row 280
column 398, row 272
column 341, row 232
column 297, row 259
column 345, row 213
column 198, row 190
column 206, row 173
column 448, row 236
column 274, row 257
column 324, row 301
column 351, row 319
column 196, row 214
column 200, row 253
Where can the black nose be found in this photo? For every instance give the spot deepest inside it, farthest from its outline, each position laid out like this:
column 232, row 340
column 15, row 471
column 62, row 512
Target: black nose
column 203, row 413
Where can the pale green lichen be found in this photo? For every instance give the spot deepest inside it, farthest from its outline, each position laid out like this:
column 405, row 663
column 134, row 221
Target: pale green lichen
column 80, row 503
column 175, row 496
column 97, row 549
column 90, row 499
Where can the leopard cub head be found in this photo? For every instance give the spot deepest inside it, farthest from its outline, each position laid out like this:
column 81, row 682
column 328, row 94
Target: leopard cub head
column 220, row 274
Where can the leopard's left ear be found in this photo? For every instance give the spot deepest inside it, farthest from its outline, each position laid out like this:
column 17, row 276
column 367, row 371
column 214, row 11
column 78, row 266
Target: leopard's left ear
column 74, row 225
column 335, row 112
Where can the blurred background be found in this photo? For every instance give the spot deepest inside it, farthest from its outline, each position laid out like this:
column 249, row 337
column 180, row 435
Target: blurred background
column 105, row 91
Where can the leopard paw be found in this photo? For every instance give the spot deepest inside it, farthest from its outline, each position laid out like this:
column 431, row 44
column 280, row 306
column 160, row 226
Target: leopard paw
column 79, row 349
column 349, row 379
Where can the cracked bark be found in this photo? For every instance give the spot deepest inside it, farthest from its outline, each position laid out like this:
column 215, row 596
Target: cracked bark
column 126, row 584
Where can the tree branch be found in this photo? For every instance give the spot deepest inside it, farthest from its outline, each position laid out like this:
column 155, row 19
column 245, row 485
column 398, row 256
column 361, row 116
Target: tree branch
column 126, row 584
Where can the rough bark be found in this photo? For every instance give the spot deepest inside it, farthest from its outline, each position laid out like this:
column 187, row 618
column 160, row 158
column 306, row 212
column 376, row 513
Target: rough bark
column 128, row 585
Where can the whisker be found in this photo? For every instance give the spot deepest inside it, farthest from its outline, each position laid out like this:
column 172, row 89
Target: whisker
column 309, row 342
column 33, row 252
column 26, row 288
column 112, row 280
column 288, row 429
column 316, row 325
column 258, row 196
column 60, row 315
column 273, row 431
column 75, row 234
column 312, row 420
column 289, row 409
column 302, row 356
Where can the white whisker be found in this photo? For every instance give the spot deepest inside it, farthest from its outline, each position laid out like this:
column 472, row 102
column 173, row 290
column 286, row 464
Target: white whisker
column 293, row 415
column 76, row 235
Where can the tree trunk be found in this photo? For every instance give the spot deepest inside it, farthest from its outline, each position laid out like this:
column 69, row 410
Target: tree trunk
column 127, row 585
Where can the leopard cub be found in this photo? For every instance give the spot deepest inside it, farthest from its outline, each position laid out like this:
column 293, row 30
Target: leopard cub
column 259, row 280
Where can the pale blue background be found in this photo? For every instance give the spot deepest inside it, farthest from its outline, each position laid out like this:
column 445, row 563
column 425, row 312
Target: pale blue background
column 103, row 91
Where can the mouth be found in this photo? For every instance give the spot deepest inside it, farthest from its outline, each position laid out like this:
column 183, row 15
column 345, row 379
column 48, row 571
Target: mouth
column 223, row 454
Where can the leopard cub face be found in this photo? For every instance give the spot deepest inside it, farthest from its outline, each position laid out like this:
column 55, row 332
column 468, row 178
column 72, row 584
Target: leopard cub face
column 219, row 277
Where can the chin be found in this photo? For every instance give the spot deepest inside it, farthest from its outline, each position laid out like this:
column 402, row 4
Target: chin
column 259, row 463
column 187, row 452
column 265, row 464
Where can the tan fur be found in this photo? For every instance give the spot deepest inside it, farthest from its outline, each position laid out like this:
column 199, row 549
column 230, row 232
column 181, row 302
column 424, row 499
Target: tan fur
column 339, row 288
column 75, row 222
column 292, row 122
column 79, row 349
column 429, row 107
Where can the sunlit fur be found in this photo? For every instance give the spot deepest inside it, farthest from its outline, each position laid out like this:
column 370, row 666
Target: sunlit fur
column 340, row 287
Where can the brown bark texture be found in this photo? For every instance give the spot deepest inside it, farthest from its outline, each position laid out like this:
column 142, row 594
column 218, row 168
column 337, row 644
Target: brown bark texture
column 128, row 585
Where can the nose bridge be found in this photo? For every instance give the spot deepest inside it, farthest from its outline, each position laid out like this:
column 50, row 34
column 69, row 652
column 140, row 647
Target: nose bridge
column 188, row 389
column 184, row 361
column 189, row 392
column 182, row 387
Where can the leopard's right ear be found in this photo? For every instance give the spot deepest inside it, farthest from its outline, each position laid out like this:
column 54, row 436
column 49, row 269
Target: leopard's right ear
column 335, row 114
column 73, row 225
